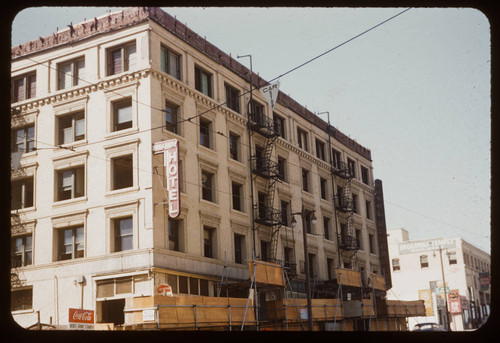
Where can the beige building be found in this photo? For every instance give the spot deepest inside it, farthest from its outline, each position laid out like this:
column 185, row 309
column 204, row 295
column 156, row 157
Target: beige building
column 90, row 224
column 417, row 273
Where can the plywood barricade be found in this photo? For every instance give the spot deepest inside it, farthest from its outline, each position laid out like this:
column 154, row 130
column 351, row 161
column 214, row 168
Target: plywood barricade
column 189, row 312
column 398, row 308
column 378, row 280
column 266, row 272
column 348, row 277
column 322, row 309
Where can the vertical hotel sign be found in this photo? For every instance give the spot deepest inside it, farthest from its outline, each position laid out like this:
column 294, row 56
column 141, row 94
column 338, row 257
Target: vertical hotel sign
column 170, row 150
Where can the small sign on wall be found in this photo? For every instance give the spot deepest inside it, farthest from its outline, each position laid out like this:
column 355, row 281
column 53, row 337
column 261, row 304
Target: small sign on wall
column 148, row 315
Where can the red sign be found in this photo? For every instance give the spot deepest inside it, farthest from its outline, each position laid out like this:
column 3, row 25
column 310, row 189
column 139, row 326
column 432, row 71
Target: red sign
column 81, row 316
column 454, row 302
column 164, row 289
column 170, row 150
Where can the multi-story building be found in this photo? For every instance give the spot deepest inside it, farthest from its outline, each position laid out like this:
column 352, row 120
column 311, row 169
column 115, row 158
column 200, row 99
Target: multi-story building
column 90, row 223
column 421, row 267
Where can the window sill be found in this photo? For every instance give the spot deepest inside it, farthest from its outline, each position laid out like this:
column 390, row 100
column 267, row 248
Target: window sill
column 75, row 144
column 121, row 191
column 73, row 201
column 120, row 133
column 23, row 210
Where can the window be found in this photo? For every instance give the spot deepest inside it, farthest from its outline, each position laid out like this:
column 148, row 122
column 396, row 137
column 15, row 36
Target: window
column 259, row 158
column 23, row 139
column 285, row 212
column 354, row 203
column 232, row 98
column 174, row 234
column 203, row 81
column 264, row 250
column 357, row 237
column 21, row 299
column 262, row 202
column 122, row 172
column 452, row 257
column 330, row 267
column 323, row 187
column 234, row 146
column 21, row 195
column 237, row 190
column 123, row 233
column 71, row 127
column 368, row 210
column 424, row 262
column 170, row 62
column 395, row 264
column 305, row 180
column 308, row 222
column 302, row 139
column 207, row 186
column 351, row 166
column 257, row 113
column 171, row 117
column 121, row 58
column 70, row 183
column 312, row 265
column 320, row 150
column 122, row 114
column 206, row 133
column 22, row 251
column 364, row 176
column 239, row 248
column 23, row 87
column 279, row 125
column 71, row 243
column 281, row 168
column 70, row 73
column 209, row 242
column 326, row 227
column 336, row 158
column 371, row 240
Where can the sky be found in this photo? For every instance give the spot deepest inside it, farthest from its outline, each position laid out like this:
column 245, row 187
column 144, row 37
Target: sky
column 415, row 90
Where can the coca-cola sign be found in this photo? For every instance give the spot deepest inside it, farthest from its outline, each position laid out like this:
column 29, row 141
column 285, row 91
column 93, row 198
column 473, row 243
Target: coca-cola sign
column 81, row 316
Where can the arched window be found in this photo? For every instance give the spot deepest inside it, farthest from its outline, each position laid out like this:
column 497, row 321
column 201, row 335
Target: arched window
column 424, row 262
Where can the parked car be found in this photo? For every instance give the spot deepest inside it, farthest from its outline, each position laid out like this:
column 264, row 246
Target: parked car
column 428, row 327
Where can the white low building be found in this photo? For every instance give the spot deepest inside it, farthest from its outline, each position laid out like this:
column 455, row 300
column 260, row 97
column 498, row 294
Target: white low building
column 418, row 272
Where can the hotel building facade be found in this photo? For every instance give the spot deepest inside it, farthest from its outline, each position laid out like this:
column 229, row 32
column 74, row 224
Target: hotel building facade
column 89, row 198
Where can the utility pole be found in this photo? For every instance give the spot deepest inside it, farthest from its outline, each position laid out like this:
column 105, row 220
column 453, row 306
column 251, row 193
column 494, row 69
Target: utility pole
column 445, row 294
column 303, row 214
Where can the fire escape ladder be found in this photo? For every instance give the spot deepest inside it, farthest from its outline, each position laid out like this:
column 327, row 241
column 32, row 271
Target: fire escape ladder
column 264, row 166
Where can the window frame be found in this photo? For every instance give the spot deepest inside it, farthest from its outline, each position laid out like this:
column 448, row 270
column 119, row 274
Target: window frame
column 23, row 257
column 74, row 119
column 166, row 66
column 396, row 264
column 27, row 194
column 199, row 75
column 76, row 172
column 75, row 252
column 173, row 124
column 117, row 175
column 323, row 186
column 28, row 143
column 208, row 186
column 118, row 105
column 424, row 261
column 209, row 246
column 28, row 86
column 75, row 74
column 118, row 237
column 279, row 125
column 125, row 63
column 320, row 149
column 302, row 139
column 305, row 180
column 237, row 199
column 232, row 97
column 234, row 146
column 206, row 137
column 14, row 295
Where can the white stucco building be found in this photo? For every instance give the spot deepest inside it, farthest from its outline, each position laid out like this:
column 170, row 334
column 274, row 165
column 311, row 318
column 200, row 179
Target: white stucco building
column 417, row 273
column 90, row 223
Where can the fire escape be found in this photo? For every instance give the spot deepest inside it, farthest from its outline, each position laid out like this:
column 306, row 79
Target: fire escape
column 348, row 242
column 266, row 216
